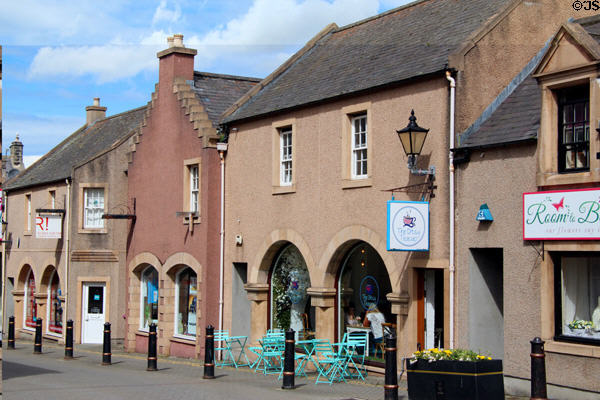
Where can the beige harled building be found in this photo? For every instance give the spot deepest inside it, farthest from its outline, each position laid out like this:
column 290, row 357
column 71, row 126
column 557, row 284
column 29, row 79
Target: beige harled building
column 313, row 153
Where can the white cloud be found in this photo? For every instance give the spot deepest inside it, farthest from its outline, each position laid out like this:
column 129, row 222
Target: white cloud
column 29, row 160
column 163, row 14
column 107, row 63
column 253, row 44
column 37, row 131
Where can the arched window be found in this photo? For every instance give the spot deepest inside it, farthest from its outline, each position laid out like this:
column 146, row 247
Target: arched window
column 30, row 304
column 290, row 307
column 55, row 310
column 185, row 302
column 149, row 298
column 363, row 284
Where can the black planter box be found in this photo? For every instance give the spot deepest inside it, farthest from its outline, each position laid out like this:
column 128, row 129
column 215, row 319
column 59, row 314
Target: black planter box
column 456, row 380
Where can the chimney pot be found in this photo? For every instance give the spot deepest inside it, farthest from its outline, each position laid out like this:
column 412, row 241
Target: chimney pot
column 178, row 40
column 96, row 101
column 170, row 40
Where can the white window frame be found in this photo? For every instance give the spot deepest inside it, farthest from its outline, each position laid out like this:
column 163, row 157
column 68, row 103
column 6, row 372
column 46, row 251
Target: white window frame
column 144, row 287
column 194, row 188
column 52, row 194
column 99, row 221
column 177, row 283
column 360, row 150
column 285, row 156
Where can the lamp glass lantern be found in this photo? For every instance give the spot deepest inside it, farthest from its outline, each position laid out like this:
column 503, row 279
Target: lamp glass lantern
column 412, row 138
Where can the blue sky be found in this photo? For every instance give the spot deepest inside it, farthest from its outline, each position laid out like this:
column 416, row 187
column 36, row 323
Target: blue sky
column 58, row 58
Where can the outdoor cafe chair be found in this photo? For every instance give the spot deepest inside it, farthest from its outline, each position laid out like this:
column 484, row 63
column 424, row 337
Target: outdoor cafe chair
column 269, row 354
column 331, row 364
column 356, row 347
column 223, row 346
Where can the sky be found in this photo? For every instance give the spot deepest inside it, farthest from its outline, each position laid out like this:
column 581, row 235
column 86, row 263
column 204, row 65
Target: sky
column 57, row 59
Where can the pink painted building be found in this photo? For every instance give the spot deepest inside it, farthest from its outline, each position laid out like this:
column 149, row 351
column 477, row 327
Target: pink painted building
column 174, row 172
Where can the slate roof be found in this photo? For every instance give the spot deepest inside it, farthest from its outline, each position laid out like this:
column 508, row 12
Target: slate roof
column 217, row 92
column 403, row 43
column 517, row 119
column 591, row 26
column 86, row 142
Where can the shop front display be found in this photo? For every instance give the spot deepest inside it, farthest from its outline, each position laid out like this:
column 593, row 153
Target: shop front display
column 290, row 307
column 149, row 304
column 363, row 306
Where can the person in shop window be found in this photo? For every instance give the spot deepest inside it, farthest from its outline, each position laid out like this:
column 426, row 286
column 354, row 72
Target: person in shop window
column 351, row 318
column 374, row 319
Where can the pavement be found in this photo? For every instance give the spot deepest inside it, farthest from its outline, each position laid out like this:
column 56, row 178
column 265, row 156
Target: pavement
column 48, row 376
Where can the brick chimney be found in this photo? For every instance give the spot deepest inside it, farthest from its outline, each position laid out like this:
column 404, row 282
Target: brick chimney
column 177, row 61
column 95, row 112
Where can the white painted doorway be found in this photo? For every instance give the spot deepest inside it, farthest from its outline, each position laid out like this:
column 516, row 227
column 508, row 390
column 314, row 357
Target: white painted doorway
column 93, row 312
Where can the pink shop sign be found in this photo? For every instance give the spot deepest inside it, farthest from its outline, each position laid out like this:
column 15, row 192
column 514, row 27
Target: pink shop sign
column 562, row 215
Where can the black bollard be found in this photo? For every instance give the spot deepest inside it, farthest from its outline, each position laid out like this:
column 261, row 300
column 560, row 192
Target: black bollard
column 391, row 369
column 209, row 353
column 538, row 370
column 69, row 341
column 11, row 332
column 106, row 354
column 152, row 348
column 289, row 364
column 37, row 342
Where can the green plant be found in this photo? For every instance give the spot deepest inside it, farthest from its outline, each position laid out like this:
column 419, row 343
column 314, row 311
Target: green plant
column 580, row 324
column 436, row 354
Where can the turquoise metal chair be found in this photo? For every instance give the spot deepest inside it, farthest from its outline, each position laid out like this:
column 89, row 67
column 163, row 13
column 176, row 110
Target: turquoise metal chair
column 269, row 354
column 356, row 347
column 331, row 364
column 223, row 346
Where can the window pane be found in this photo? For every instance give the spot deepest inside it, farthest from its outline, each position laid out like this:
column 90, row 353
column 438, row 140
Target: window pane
column 149, row 304
column 186, row 315
column 568, row 114
column 94, row 208
column 580, row 294
column 574, row 129
column 31, row 306
column 55, row 311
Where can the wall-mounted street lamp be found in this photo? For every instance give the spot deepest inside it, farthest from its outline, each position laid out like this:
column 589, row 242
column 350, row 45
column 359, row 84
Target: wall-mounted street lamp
column 412, row 138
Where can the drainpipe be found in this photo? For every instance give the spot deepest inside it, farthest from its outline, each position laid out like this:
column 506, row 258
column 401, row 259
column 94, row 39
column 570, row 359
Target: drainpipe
column 451, row 203
column 3, row 215
column 67, row 233
column 222, row 148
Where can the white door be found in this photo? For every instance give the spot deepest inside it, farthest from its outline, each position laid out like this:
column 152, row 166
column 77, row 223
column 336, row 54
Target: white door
column 429, row 309
column 93, row 310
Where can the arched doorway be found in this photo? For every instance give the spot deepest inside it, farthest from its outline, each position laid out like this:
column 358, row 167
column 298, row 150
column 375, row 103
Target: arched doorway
column 363, row 283
column 290, row 305
column 55, row 309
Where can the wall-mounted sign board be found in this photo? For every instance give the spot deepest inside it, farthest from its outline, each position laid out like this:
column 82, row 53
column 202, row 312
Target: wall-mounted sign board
column 48, row 226
column 407, row 225
column 562, row 215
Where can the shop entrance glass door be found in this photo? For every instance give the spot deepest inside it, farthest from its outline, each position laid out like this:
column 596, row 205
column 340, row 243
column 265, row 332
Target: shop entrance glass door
column 93, row 312
column 430, row 308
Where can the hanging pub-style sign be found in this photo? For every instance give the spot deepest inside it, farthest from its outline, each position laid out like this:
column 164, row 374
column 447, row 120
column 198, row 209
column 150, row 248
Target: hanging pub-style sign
column 407, row 225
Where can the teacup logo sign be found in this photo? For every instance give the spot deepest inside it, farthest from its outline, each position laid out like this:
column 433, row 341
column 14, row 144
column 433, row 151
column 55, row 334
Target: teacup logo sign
column 369, row 291
column 408, row 225
column 564, row 215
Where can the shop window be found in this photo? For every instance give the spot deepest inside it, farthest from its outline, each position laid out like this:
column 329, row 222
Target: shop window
column 30, row 303
column 577, row 291
column 186, row 302
column 93, row 208
column 290, row 307
column 149, row 298
column 55, row 310
column 574, row 129
column 362, row 288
